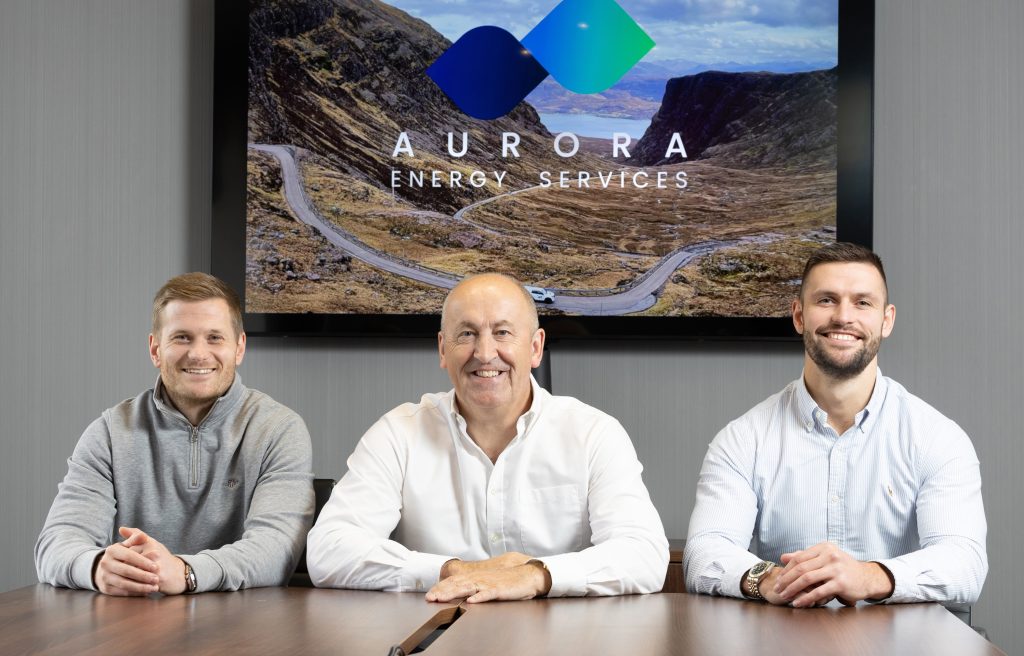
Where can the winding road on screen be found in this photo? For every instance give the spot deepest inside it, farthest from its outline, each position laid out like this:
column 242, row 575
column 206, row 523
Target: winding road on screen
column 635, row 299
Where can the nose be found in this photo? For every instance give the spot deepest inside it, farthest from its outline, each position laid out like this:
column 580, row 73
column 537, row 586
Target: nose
column 198, row 350
column 484, row 350
column 844, row 312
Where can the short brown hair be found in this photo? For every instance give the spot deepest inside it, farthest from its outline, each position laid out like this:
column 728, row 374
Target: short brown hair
column 196, row 286
column 844, row 251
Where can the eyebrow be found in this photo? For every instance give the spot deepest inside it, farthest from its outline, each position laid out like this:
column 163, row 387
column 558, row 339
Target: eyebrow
column 829, row 292
column 185, row 331
column 504, row 323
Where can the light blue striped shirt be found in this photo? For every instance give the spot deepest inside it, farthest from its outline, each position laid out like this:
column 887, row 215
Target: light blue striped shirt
column 901, row 487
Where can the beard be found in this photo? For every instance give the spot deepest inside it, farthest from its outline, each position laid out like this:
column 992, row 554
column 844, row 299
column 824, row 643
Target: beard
column 833, row 367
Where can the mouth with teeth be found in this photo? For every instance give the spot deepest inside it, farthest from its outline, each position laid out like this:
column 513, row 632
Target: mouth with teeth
column 842, row 337
column 198, row 371
column 846, row 336
column 487, row 373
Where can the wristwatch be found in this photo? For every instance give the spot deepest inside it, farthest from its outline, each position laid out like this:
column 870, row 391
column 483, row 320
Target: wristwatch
column 190, row 578
column 751, row 584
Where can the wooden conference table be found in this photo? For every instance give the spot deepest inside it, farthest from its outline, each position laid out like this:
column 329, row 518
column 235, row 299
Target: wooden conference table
column 43, row 619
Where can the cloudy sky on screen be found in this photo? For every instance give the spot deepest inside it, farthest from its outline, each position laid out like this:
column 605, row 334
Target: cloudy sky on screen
column 701, row 31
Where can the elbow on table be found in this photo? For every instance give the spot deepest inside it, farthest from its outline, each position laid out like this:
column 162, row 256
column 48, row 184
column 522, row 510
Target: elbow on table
column 972, row 591
column 329, row 564
column 972, row 573
column 650, row 576
column 322, row 573
column 696, row 568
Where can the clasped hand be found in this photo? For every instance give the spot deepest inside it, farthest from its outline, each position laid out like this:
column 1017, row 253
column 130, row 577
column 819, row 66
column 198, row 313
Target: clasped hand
column 137, row 566
column 818, row 574
column 509, row 576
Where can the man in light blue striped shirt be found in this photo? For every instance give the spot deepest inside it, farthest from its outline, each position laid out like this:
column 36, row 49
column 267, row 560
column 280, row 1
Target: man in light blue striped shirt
column 843, row 485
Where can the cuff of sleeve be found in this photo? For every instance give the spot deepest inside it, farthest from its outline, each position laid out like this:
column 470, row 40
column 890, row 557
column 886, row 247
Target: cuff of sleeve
column 209, row 573
column 902, row 591
column 422, row 571
column 81, row 569
column 733, row 579
column 568, row 575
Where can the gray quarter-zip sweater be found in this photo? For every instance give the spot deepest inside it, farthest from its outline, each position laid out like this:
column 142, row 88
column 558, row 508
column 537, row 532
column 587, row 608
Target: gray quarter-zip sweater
column 232, row 496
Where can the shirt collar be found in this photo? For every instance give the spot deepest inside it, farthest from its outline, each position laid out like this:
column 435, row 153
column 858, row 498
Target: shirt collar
column 525, row 420
column 869, row 415
column 810, row 414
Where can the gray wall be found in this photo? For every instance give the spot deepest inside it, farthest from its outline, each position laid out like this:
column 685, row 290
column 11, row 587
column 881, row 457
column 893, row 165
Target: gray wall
column 104, row 193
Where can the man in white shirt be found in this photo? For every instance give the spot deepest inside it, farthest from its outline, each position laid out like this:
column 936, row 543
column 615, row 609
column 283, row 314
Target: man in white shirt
column 497, row 489
column 857, row 488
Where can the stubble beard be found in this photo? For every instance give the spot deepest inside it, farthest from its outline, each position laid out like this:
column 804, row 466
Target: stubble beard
column 840, row 370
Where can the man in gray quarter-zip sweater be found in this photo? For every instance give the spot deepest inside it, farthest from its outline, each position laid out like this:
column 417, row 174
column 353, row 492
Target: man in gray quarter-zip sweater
column 197, row 484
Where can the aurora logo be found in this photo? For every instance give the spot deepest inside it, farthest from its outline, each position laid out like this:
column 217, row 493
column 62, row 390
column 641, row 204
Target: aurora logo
column 585, row 45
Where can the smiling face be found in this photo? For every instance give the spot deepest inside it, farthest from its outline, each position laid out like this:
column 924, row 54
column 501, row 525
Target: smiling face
column 489, row 342
column 843, row 317
column 196, row 350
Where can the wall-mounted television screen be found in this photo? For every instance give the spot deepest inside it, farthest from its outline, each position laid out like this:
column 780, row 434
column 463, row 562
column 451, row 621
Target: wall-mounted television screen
column 645, row 167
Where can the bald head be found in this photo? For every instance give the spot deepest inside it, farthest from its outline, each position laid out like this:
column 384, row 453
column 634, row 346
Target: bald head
column 483, row 286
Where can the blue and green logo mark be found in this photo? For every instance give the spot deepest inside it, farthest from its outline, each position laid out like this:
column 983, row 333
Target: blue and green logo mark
column 585, row 45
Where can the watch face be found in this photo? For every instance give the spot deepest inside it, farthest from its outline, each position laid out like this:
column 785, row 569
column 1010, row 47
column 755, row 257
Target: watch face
column 760, row 568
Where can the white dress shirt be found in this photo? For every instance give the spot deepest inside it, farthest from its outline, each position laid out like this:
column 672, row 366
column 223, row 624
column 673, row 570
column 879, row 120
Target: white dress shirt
column 419, row 492
column 901, row 487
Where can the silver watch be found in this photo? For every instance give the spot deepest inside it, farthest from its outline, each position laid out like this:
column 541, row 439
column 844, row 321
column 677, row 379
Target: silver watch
column 190, row 578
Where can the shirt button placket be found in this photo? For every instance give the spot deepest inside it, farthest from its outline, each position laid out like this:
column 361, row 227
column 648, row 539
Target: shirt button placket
column 495, row 511
column 836, row 486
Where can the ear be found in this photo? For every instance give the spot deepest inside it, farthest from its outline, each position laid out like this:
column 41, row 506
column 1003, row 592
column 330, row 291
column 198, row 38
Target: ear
column 440, row 348
column 537, row 348
column 240, row 349
column 154, row 350
column 798, row 316
column 888, row 320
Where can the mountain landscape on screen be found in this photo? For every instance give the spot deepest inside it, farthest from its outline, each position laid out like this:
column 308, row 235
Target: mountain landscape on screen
column 369, row 191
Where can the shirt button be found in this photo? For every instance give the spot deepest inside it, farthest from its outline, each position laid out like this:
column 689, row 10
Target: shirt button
column 495, row 538
column 835, row 499
column 419, row 585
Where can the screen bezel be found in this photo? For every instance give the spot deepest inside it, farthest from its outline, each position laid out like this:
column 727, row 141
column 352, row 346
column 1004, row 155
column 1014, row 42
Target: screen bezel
column 854, row 201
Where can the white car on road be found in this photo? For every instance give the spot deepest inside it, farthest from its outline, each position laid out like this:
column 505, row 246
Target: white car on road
column 540, row 294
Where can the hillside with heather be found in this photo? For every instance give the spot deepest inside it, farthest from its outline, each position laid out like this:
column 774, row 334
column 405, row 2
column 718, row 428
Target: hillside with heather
column 747, row 120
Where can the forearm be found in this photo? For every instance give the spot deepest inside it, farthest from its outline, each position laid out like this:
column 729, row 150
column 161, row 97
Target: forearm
column 622, row 565
column 629, row 552
column 951, row 571
column 276, row 525
column 349, row 546
column 347, row 557
column 724, row 514
column 64, row 563
column 716, row 565
column 80, row 522
column 952, row 564
column 259, row 559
